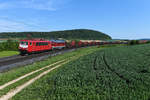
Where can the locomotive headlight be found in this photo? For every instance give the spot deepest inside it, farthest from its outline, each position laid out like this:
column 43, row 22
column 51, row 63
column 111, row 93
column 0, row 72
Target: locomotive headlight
column 23, row 46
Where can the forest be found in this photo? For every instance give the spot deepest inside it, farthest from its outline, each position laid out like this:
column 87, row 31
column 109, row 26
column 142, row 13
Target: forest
column 84, row 34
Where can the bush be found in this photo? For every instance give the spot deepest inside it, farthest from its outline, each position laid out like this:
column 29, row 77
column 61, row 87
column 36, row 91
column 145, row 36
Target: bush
column 148, row 42
column 134, row 42
column 9, row 45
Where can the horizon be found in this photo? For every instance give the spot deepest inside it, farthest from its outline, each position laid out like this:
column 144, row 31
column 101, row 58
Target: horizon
column 124, row 19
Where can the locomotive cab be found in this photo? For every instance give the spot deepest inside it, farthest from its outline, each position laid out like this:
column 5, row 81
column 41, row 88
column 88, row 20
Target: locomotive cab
column 23, row 47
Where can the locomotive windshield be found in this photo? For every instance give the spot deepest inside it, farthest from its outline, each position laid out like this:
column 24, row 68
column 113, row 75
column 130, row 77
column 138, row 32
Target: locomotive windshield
column 24, row 43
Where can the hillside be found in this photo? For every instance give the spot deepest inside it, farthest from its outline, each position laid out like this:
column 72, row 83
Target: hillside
column 84, row 34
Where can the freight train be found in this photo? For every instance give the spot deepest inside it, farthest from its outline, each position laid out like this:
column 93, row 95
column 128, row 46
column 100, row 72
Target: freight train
column 40, row 45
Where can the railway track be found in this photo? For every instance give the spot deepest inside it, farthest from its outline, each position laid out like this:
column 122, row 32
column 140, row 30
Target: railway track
column 8, row 63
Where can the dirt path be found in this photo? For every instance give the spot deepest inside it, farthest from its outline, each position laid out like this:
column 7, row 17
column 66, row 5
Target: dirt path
column 26, row 75
column 12, row 93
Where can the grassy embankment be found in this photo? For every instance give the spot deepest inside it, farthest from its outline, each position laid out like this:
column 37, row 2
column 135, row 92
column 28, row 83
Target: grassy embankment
column 120, row 73
column 8, row 53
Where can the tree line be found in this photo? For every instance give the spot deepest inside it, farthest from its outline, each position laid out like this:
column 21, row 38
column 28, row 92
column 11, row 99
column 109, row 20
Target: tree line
column 83, row 34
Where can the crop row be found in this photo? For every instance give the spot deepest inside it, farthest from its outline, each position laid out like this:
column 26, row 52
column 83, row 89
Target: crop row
column 18, row 72
column 118, row 73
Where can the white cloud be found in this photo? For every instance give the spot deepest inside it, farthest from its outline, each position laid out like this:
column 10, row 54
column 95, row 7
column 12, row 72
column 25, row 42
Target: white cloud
column 8, row 25
column 5, row 5
column 37, row 4
column 50, row 5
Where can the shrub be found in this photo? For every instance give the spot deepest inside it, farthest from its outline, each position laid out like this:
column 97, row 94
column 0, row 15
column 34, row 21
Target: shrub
column 9, row 45
column 133, row 42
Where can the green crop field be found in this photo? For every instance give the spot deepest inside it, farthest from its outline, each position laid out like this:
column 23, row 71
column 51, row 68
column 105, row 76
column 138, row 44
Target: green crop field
column 117, row 73
column 21, row 71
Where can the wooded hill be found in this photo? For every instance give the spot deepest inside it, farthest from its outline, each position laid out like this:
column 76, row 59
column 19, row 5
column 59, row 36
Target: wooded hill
column 83, row 34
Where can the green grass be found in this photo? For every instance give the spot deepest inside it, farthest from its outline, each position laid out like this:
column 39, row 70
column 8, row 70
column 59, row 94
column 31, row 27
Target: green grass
column 13, row 74
column 117, row 73
column 18, row 83
column 17, row 72
column 8, row 53
column 7, row 89
column 3, row 41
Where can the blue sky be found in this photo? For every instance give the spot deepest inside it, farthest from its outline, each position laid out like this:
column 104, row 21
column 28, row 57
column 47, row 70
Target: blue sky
column 117, row 18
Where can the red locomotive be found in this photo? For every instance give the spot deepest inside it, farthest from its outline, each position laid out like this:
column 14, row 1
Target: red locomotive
column 31, row 46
